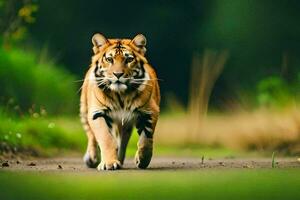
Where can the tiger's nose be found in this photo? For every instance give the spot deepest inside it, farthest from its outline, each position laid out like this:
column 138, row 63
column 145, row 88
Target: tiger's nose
column 118, row 74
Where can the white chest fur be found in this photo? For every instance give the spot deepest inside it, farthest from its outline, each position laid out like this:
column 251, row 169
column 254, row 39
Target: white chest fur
column 123, row 116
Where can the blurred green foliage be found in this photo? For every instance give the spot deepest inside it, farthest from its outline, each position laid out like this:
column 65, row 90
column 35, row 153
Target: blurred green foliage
column 34, row 89
column 35, row 85
column 31, row 83
column 262, row 38
column 274, row 91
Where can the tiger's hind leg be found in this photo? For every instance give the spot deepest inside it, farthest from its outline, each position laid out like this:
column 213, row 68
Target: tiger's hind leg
column 145, row 126
column 91, row 158
column 125, row 136
column 144, row 153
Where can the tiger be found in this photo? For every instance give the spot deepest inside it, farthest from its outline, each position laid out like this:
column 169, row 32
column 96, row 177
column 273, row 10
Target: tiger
column 120, row 92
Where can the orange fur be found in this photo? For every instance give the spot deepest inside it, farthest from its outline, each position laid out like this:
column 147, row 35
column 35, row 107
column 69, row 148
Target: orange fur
column 137, row 104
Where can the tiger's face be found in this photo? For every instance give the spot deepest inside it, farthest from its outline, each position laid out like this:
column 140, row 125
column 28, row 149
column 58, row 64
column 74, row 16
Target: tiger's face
column 119, row 63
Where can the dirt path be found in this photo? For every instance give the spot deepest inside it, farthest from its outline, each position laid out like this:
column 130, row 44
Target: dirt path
column 75, row 164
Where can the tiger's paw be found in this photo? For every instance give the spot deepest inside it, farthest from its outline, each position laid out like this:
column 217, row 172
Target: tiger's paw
column 109, row 165
column 143, row 158
column 90, row 161
column 144, row 153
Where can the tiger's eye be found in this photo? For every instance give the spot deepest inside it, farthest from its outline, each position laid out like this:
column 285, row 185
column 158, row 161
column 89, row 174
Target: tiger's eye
column 109, row 59
column 129, row 59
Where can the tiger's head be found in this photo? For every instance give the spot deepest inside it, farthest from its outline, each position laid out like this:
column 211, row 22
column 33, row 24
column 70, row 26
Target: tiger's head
column 119, row 63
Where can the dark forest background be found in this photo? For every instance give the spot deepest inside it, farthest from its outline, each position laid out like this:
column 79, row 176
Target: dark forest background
column 262, row 37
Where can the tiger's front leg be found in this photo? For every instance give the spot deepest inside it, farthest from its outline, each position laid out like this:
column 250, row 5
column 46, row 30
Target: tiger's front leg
column 145, row 126
column 101, row 126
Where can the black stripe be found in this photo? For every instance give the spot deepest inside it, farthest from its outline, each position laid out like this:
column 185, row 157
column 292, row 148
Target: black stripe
column 119, row 48
column 98, row 72
column 135, row 86
column 120, row 100
column 141, row 65
column 143, row 123
column 103, row 114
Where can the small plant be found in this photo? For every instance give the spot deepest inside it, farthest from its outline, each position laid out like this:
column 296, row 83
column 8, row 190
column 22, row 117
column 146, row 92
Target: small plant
column 273, row 160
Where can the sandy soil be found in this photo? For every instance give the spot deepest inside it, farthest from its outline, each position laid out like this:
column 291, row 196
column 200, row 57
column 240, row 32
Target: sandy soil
column 75, row 164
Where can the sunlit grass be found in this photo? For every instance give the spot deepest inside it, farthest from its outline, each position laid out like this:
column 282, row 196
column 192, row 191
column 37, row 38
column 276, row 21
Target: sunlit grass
column 263, row 130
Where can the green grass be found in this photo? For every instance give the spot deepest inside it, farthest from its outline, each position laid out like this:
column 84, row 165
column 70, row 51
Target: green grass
column 150, row 184
column 44, row 136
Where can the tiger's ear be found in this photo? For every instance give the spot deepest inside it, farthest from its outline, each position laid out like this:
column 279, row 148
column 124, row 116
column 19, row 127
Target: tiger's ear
column 140, row 41
column 98, row 41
